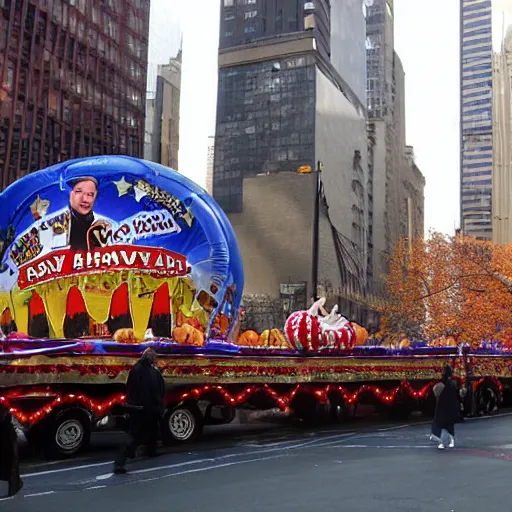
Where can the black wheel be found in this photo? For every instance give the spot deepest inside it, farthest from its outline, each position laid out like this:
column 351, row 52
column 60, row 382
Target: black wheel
column 65, row 435
column 182, row 424
column 487, row 399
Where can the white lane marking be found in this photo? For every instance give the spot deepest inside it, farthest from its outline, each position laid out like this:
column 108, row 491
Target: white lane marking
column 99, row 464
column 64, row 470
column 96, row 487
column 228, row 456
column 7, row 499
column 159, row 468
column 398, row 427
column 382, row 446
column 209, row 468
column 39, row 494
column 104, row 477
column 287, row 446
column 498, row 415
column 318, row 436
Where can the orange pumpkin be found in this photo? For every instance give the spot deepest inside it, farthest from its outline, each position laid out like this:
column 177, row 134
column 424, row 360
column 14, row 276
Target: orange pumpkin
column 361, row 334
column 249, row 339
column 264, row 338
column 405, row 343
column 278, row 340
column 188, row 335
column 125, row 336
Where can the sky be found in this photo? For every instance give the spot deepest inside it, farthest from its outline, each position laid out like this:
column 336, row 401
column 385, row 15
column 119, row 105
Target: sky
column 427, row 41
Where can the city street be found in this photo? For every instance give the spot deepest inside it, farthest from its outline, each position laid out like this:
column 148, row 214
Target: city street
column 363, row 468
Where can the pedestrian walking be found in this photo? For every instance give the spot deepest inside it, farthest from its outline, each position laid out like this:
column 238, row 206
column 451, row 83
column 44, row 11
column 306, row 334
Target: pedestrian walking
column 9, row 459
column 447, row 409
column 145, row 388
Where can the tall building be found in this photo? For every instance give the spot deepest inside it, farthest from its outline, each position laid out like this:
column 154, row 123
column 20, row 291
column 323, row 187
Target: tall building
column 291, row 93
column 502, row 143
column 476, row 118
column 73, row 81
column 397, row 183
column 162, row 135
column 413, row 199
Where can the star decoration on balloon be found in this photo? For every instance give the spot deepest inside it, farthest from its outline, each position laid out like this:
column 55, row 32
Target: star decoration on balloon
column 139, row 194
column 123, row 187
column 188, row 217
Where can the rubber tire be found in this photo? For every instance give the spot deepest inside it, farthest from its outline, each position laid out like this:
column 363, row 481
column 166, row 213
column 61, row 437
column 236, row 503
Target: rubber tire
column 487, row 400
column 48, row 435
column 188, row 412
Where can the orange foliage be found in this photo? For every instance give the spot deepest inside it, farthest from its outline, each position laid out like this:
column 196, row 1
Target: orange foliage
column 457, row 286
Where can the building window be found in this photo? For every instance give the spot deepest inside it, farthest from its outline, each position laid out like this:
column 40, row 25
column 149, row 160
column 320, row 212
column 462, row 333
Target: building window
column 250, row 29
column 228, row 3
column 251, row 14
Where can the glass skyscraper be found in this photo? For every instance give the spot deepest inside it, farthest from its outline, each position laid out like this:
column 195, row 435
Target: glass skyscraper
column 73, row 81
column 476, row 118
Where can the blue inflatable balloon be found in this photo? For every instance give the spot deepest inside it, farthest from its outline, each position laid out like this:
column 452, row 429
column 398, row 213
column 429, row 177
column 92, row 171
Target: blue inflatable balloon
column 116, row 246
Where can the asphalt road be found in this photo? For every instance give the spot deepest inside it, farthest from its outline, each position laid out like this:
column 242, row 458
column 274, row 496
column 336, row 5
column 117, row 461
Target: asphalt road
column 390, row 469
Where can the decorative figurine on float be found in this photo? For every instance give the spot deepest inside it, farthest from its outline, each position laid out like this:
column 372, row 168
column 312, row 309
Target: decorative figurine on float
column 310, row 332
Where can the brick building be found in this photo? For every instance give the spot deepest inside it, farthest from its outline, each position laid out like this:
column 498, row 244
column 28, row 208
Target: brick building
column 73, row 81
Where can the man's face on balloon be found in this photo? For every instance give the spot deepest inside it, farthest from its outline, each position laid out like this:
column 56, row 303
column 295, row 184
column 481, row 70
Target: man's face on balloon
column 82, row 197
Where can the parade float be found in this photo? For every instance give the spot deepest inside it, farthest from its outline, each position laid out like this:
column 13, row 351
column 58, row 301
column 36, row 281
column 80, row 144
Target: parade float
column 106, row 256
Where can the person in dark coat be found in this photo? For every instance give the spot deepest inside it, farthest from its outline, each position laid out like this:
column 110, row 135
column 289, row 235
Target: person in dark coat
column 145, row 388
column 9, row 460
column 447, row 409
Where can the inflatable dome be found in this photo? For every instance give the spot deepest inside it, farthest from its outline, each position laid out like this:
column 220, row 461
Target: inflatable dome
column 102, row 245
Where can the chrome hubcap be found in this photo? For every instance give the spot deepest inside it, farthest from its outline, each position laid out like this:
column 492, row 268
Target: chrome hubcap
column 69, row 435
column 181, row 424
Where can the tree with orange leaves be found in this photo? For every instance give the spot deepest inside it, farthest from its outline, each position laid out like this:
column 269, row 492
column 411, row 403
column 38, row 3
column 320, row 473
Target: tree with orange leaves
column 452, row 286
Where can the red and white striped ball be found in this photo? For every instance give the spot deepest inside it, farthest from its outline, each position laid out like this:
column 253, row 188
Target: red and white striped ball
column 339, row 339
column 303, row 331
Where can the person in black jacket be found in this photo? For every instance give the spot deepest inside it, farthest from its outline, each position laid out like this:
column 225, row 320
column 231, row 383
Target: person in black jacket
column 9, row 460
column 145, row 387
column 447, row 409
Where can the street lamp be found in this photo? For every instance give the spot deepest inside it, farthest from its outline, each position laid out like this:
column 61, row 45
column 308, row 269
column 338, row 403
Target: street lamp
column 306, row 169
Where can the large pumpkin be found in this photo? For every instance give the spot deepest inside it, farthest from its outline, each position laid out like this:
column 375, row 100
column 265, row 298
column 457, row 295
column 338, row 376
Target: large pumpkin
column 361, row 334
column 188, row 335
column 249, row 339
